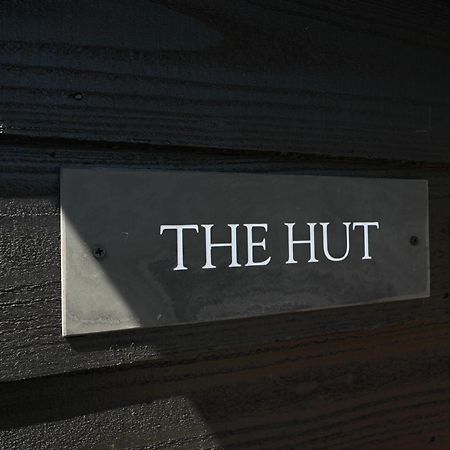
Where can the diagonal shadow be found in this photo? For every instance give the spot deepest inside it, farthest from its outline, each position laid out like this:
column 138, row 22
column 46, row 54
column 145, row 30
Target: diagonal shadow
column 185, row 363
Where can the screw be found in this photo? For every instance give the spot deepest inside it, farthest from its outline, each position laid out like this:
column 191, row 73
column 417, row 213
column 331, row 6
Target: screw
column 99, row 251
column 78, row 96
column 413, row 240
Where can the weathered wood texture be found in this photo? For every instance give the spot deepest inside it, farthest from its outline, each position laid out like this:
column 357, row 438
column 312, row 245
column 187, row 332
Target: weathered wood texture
column 372, row 377
column 386, row 390
column 362, row 78
column 193, row 85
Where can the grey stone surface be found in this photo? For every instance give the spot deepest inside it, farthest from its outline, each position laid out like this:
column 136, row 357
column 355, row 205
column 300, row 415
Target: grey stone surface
column 134, row 285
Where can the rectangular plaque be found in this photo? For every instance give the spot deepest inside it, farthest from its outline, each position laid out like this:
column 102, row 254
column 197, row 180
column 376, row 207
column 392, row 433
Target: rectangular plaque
column 147, row 248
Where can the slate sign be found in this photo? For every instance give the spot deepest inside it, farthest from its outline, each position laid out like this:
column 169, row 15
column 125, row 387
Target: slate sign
column 146, row 248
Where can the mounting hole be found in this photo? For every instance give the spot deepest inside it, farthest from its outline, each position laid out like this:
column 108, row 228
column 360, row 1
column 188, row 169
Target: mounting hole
column 77, row 96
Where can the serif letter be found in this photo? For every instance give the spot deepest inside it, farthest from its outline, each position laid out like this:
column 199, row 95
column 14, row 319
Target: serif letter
column 366, row 226
column 209, row 246
column 325, row 241
column 180, row 248
column 251, row 244
column 310, row 242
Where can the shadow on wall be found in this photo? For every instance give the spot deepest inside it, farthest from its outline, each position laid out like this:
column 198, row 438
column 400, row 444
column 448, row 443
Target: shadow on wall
column 256, row 382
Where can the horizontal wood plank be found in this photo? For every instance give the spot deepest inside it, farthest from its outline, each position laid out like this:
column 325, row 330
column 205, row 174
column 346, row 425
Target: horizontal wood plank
column 373, row 377
column 30, row 300
column 381, row 390
column 369, row 79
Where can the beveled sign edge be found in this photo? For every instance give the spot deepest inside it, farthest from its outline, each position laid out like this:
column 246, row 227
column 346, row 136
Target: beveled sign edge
column 66, row 169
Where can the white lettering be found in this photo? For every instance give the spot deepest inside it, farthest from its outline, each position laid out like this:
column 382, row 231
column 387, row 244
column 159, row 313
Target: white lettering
column 291, row 243
column 325, row 241
column 180, row 248
column 366, row 226
column 251, row 244
column 209, row 246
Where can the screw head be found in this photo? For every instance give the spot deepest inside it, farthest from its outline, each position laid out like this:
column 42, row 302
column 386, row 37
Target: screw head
column 78, row 96
column 99, row 251
column 413, row 240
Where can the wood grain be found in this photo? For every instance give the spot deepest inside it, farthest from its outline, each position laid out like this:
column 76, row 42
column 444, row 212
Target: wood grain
column 368, row 79
column 380, row 390
column 372, row 377
column 323, row 87
column 30, row 314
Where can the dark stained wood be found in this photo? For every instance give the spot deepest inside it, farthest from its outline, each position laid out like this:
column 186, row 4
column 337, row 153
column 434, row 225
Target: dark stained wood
column 30, row 314
column 314, row 87
column 372, row 377
column 366, row 79
column 386, row 389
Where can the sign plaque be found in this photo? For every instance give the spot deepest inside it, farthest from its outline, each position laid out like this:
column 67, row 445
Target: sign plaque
column 148, row 248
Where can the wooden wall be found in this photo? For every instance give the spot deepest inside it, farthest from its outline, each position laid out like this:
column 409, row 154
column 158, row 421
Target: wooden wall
column 351, row 88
